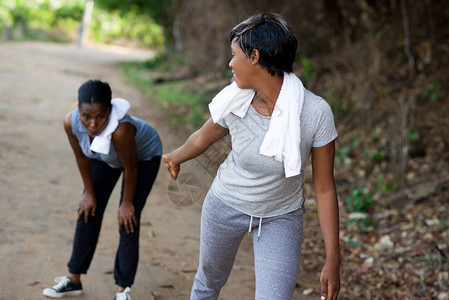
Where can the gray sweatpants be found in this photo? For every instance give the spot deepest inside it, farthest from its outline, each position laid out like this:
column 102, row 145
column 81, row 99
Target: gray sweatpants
column 276, row 253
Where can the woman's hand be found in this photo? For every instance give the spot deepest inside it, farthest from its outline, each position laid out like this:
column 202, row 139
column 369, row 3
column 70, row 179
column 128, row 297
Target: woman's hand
column 173, row 169
column 195, row 145
column 87, row 206
column 126, row 217
column 330, row 279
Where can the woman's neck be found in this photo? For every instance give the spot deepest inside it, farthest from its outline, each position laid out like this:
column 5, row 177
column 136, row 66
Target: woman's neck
column 267, row 95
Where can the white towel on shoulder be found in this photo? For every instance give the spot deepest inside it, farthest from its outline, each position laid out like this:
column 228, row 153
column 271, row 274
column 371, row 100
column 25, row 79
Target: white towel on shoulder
column 102, row 142
column 231, row 99
column 283, row 138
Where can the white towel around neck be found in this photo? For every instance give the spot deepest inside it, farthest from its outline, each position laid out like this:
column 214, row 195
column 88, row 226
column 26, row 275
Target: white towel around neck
column 283, row 138
column 102, row 142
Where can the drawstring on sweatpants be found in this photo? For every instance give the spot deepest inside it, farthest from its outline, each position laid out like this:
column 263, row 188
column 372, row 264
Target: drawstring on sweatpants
column 251, row 225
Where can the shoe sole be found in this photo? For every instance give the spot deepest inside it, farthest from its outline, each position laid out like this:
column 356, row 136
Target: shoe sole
column 53, row 294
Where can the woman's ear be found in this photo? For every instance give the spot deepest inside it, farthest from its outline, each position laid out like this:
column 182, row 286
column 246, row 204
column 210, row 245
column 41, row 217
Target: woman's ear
column 254, row 57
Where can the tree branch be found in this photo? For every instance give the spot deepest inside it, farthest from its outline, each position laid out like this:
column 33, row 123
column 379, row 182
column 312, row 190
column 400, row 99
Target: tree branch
column 406, row 27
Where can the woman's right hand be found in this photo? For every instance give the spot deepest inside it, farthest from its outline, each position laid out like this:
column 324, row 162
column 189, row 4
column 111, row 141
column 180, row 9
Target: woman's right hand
column 87, row 206
column 173, row 169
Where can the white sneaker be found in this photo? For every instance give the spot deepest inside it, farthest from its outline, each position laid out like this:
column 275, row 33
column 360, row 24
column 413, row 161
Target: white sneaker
column 123, row 295
column 65, row 287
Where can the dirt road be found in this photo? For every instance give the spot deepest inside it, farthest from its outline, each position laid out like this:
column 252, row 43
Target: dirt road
column 40, row 185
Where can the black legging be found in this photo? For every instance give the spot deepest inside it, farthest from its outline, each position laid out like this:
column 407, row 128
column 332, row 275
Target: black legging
column 104, row 179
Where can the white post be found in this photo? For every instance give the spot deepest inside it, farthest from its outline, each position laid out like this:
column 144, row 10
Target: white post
column 83, row 30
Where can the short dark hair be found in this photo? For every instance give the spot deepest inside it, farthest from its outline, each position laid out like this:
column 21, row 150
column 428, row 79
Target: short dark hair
column 272, row 36
column 94, row 91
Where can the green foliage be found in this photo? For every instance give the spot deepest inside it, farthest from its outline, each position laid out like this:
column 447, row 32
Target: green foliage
column 342, row 156
column 378, row 156
column 359, row 201
column 360, row 224
column 6, row 19
column 162, row 12
column 375, row 136
column 338, row 104
column 164, row 61
column 442, row 224
column 132, row 71
column 185, row 107
column 308, row 70
column 426, row 193
column 111, row 27
column 385, row 187
column 20, row 10
column 50, row 20
column 16, row 17
column 417, row 148
column 228, row 73
column 429, row 258
column 413, row 136
column 355, row 243
column 175, row 92
column 432, row 92
column 182, row 105
column 158, row 10
column 40, row 19
column 156, row 61
column 72, row 13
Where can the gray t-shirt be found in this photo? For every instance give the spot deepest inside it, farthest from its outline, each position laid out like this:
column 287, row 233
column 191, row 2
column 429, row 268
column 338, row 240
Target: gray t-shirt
column 148, row 143
column 255, row 184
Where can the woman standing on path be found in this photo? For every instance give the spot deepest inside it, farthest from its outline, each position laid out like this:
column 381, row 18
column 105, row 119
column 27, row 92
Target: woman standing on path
column 274, row 124
column 106, row 140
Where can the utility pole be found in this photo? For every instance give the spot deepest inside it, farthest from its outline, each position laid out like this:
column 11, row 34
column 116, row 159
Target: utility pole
column 83, row 29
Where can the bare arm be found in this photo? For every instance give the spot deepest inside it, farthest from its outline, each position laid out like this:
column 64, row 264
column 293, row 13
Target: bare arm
column 88, row 202
column 124, row 142
column 195, row 145
column 327, row 204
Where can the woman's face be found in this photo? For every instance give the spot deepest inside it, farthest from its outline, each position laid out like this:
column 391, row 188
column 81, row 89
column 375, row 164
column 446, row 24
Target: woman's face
column 241, row 67
column 94, row 117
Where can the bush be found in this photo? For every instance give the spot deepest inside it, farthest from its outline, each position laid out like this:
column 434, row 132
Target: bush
column 60, row 20
column 359, row 201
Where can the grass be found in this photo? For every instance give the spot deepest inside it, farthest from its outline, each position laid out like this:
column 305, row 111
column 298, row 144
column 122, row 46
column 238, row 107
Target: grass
column 182, row 105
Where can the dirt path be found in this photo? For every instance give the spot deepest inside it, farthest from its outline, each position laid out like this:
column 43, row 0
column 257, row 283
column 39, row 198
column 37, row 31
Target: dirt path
column 40, row 184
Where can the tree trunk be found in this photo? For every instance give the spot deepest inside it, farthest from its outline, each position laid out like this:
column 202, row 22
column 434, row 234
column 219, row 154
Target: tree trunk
column 83, row 30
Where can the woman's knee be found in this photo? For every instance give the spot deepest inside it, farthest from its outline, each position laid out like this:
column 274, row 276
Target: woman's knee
column 208, row 278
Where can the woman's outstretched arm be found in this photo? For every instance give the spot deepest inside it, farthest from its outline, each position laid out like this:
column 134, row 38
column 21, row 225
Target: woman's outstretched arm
column 195, row 145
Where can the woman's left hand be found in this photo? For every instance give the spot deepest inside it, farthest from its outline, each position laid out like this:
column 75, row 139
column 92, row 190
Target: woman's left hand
column 330, row 280
column 126, row 217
